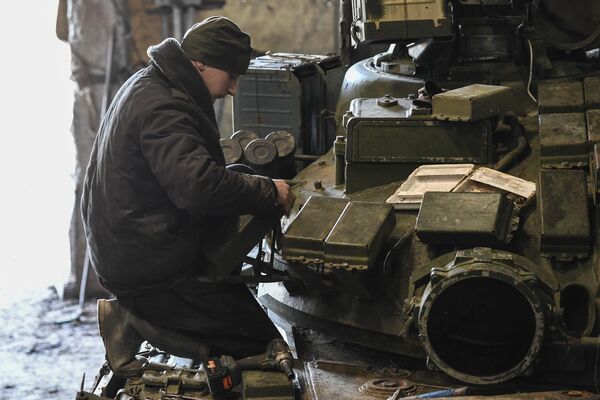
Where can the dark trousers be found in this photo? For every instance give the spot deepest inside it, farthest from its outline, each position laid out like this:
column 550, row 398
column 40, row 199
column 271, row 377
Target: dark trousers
column 226, row 317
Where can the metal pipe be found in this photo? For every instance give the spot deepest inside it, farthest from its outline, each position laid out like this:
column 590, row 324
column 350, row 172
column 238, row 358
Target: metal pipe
column 518, row 133
column 178, row 23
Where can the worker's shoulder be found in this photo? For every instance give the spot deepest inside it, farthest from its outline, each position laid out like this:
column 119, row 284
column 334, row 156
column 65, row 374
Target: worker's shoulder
column 178, row 94
column 150, row 89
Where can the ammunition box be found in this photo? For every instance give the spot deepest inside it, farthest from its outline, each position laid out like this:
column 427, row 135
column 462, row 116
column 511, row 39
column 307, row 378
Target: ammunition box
column 288, row 92
column 386, row 143
column 393, row 20
column 304, row 240
column 472, row 103
column 359, row 235
column 563, row 140
column 475, row 219
column 564, row 216
column 560, row 97
column 591, row 89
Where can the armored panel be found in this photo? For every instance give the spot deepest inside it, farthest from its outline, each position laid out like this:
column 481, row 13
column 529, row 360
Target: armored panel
column 385, row 142
column 563, row 140
column 358, row 235
column 288, row 92
column 593, row 125
column 564, row 217
column 478, row 219
column 393, row 20
column 389, row 135
column 591, row 89
column 472, row 103
column 560, row 97
column 305, row 238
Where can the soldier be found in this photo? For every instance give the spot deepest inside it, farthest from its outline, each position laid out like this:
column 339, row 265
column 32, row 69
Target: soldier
column 155, row 187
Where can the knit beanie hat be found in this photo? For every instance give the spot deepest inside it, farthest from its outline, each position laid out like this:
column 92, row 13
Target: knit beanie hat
column 219, row 43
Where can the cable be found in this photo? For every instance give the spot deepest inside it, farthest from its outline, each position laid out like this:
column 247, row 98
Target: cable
column 530, row 71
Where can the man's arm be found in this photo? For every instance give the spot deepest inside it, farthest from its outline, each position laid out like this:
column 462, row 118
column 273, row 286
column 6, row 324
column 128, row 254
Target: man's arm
column 178, row 157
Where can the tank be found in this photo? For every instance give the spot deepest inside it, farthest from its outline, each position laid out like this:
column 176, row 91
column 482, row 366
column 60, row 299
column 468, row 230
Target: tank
column 445, row 245
column 464, row 90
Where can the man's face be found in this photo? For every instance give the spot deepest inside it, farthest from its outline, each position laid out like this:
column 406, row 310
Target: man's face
column 219, row 83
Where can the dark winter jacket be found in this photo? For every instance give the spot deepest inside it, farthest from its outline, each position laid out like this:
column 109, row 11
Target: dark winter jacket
column 156, row 185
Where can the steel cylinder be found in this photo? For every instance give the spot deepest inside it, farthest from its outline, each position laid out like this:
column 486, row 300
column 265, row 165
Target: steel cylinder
column 286, row 149
column 261, row 155
column 232, row 151
column 244, row 137
column 482, row 321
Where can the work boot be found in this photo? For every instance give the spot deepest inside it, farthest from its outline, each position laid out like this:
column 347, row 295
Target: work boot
column 121, row 340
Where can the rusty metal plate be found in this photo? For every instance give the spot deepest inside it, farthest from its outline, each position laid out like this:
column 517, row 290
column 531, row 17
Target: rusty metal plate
column 472, row 103
column 591, row 89
column 305, row 238
column 593, row 125
column 563, row 140
column 560, row 97
column 358, row 235
column 564, row 216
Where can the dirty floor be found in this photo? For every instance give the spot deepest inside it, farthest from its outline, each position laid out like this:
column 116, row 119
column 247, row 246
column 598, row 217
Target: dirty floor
column 44, row 350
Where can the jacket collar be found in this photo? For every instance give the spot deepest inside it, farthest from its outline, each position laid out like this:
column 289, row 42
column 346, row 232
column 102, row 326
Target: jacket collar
column 172, row 62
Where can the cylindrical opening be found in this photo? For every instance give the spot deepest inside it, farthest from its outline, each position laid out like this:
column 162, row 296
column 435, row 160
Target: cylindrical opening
column 481, row 327
column 575, row 305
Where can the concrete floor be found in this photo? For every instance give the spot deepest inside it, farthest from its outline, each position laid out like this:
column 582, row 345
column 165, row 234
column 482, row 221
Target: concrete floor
column 43, row 353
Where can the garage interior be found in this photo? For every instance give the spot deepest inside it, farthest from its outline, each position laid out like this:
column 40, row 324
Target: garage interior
column 445, row 157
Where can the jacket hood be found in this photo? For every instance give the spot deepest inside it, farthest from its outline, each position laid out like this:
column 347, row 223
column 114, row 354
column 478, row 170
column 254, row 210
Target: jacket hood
column 172, row 62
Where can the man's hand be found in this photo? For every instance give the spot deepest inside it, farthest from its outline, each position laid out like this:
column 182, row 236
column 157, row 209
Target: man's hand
column 285, row 197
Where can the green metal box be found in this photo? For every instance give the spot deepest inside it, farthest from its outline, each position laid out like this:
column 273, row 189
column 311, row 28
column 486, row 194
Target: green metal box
column 385, row 143
column 563, row 140
column 394, row 20
column 476, row 219
column 472, row 103
column 560, row 97
column 564, row 216
column 304, row 240
column 359, row 234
